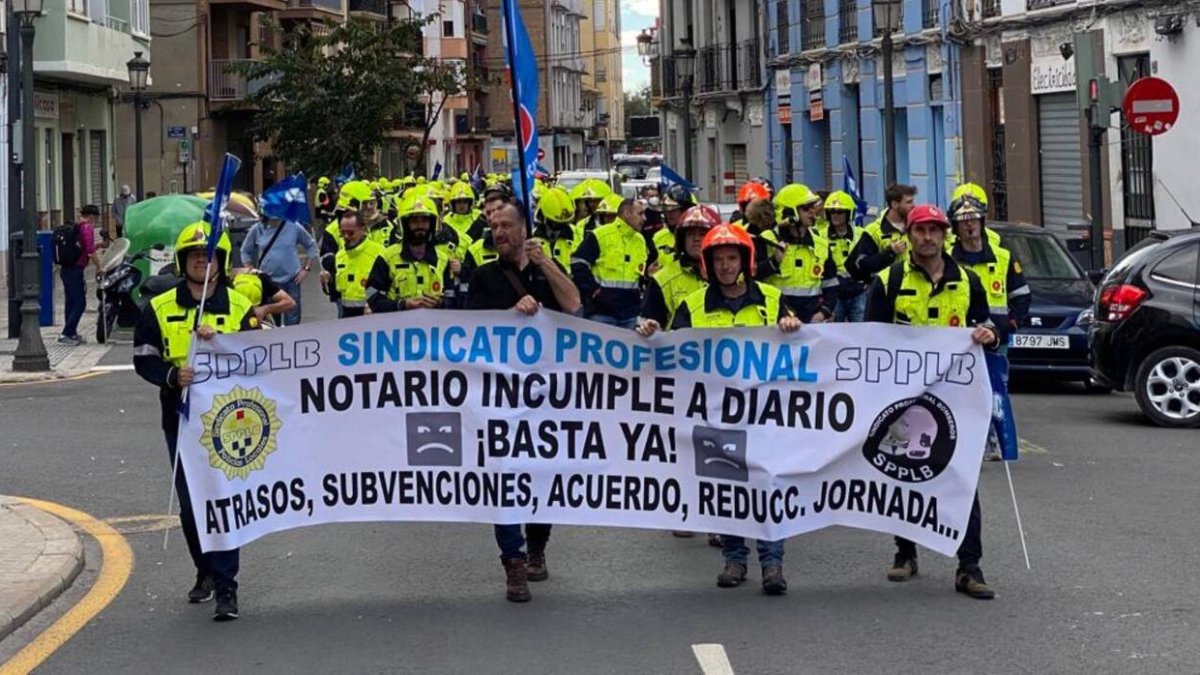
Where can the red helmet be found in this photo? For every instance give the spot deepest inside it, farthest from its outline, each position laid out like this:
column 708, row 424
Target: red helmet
column 927, row 213
column 727, row 235
column 705, row 217
column 751, row 191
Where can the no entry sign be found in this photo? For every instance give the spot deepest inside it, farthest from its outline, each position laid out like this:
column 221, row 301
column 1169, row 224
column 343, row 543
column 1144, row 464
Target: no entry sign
column 1151, row 106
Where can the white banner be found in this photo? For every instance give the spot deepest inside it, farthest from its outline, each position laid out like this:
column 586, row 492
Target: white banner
column 494, row 417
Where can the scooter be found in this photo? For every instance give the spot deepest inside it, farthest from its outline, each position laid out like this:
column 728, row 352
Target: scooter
column 121, row 290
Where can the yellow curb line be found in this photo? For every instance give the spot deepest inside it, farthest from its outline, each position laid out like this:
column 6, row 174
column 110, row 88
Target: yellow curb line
column 115, row 567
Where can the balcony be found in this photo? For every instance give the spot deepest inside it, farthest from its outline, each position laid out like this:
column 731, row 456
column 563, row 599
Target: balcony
column 783, row 27
column 226, row 85
column 929, row 13
column 729, row 67
column 479, row 23
column 848, row 21
column 92, row 51
column 814, row 25
column 991, row 9
column 1034, row 5
column 311, row 10
column 252, row 5
column 373, row 9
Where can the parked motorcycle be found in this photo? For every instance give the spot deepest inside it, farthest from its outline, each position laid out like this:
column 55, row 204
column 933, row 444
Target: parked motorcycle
column 121, row 290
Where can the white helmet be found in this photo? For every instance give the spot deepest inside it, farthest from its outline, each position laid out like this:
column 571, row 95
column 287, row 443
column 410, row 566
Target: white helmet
column 912, row 435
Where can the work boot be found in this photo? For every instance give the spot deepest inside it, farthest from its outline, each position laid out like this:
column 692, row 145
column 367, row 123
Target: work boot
column 773, row 582
column 732, row 576
column 516, row 580
column 202, row 591
column 904, row 567
column 535, row 566
column 969, row 580
column 714, row 540
column 227, row 608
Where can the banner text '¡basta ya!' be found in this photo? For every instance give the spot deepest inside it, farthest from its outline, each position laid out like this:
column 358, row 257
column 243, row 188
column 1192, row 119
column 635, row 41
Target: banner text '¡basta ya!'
column 753, row 360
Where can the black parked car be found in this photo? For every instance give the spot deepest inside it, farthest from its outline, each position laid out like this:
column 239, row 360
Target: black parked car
column 1053, row 341
column 1146, row 337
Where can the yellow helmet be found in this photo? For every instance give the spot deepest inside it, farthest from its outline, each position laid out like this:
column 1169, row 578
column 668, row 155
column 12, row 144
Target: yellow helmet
column 610, row 204
column 539, row 189
column 791, row 198
column 419, row 206
column 354, row 195
column 840, row 201
column 462, row 191
column 249, row 285
column 971, row 190
column 556, row 206
column 590, row 188
column 196, row 236
column 323, row 181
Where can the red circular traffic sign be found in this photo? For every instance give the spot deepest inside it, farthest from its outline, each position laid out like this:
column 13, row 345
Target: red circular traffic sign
column 541, row 154
column 1151, row 106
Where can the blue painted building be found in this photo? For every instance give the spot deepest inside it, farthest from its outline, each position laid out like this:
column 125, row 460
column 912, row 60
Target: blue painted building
column 827, row 79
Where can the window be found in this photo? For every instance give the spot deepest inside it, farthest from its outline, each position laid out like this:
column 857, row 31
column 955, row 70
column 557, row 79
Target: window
column 601, row 75
column 599, row 16
column 97, row 163
column 1042, row 257
column 784, row 27
column 141, row 17
column 847, row 21
column 814, row 24
column 77, row 7
column 447, row 29
column 1179, row 266
column 51, row 171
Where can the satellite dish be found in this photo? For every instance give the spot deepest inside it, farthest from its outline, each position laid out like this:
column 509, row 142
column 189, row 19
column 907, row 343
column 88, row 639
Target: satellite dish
column 114, row 254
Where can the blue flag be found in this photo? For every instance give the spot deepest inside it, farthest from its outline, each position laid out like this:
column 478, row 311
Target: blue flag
column 522, row 66
column 288, row 200
column 346, row 175
column 1004, row 424
column 850, row 186
column 214, row 212
column 437, row 171
column 669, row 178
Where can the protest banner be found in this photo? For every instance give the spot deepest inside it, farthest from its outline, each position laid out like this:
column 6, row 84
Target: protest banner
column 495, row 417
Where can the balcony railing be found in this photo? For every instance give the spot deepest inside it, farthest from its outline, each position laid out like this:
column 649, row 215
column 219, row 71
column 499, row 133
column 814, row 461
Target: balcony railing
column 814, row 25
column 117, row 24
column 900, row 24
column 929, row 13
column 226, row 85
column 991, row 8
column 729, row 67
column 783, row 26
column 848, row 21
column 377, row 7
column 330, row 5
column 1032, row 5
column 479, row 23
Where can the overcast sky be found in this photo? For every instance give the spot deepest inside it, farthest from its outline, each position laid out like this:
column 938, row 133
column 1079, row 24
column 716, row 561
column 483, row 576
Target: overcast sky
column 635, row 15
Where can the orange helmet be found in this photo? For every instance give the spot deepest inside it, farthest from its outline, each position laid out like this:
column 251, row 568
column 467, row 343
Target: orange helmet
column 751, row 191
column 727, row 235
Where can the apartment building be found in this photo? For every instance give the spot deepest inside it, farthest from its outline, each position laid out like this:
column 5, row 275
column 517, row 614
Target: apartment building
column 600, row 35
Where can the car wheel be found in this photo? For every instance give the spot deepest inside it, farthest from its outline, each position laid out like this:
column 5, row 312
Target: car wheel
column 1168, row 387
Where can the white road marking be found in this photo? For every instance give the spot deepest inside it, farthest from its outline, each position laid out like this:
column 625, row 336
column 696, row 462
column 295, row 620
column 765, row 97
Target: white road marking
column 713, row 660
column 118, row 367
column 1025, row 446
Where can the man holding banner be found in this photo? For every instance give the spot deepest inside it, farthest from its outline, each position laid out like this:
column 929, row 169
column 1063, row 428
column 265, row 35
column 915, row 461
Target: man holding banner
column 161, row 347
column 928, row 288
column 526, row 279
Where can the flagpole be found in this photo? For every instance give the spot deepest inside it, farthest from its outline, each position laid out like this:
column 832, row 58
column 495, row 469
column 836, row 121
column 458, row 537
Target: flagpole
column 510, row 34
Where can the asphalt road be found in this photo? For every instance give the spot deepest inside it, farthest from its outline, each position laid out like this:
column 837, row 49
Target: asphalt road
column 1108, row 506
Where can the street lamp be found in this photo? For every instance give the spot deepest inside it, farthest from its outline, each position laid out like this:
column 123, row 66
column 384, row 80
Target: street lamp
column 685, row 69
column 887, row 19
column 139, row 68
column 645, row 45
column 31, row 351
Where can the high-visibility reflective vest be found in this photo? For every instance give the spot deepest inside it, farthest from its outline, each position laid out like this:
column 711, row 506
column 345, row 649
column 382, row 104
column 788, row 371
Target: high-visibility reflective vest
column 801, row 268
column 915, row 304
column 462, row 222
column 563, row 247
column 250, row 286
column 353, row 270
column 840, row 247
column 750, row 315
column 175, row 322
column 623, row 256
column 677, row 282
column 664, row 241
column 381, row 232
column 993, row 238
column 414, row 278
column 480, row 253
column 994, row 276
column 334, row 230
column 882, row 239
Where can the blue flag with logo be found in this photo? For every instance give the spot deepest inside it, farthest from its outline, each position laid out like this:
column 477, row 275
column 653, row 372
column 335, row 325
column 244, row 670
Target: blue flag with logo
column 288, row 200
column 522, row 66
column 1004, row 424
column 437, row 171
column 214, row 212
column 670, row 177
column 850, row 186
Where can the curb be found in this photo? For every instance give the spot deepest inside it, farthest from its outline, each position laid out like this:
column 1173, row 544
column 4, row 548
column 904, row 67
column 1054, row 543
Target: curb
column 42, row 556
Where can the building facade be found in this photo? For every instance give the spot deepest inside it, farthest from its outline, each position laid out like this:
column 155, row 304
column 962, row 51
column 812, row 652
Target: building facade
column 825, row 97
column 605, row 76
column 714, row 119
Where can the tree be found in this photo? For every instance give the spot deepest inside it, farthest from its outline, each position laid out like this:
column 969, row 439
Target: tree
column 637, row 104
column 328, row 96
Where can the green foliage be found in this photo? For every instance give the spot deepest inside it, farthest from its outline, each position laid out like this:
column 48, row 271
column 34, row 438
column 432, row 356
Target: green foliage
column 329, row 94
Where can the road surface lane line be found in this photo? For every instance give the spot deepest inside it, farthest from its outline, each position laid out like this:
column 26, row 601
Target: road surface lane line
column 713, row 660
column 115, row 567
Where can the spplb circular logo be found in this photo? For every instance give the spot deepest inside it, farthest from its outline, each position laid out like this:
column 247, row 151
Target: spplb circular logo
column 912, row 440
column 240, row 431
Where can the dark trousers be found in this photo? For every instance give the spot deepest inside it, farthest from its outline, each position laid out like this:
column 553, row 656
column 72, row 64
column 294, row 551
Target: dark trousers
column 511, row 541
column 222, row 566
column 970, row 550
column 74, row 298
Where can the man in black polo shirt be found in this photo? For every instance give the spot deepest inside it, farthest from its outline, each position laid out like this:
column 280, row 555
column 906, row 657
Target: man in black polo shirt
column 523, row 278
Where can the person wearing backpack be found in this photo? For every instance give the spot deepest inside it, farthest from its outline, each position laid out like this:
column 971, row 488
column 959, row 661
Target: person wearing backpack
column 74, row 250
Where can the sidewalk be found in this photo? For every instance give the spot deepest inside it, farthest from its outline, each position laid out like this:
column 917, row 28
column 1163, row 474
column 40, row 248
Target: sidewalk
column 65, row 361
column 40, row 558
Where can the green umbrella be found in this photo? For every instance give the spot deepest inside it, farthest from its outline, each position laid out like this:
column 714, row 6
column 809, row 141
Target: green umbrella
column 158, row 221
